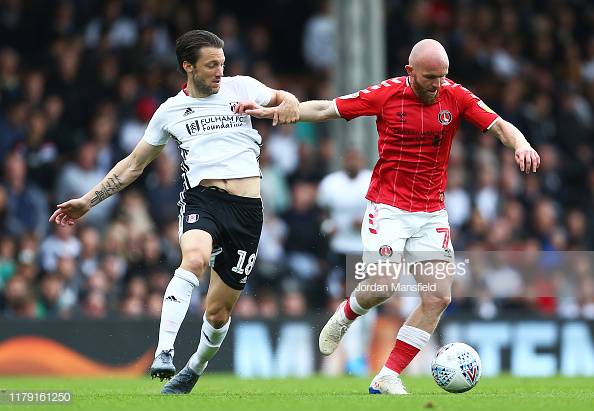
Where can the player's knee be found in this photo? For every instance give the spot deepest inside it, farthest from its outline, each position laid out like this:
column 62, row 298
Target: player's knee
column 195, row 262
column 217, row 316
column 382, row 294
column 380, row 289
column 436, row 302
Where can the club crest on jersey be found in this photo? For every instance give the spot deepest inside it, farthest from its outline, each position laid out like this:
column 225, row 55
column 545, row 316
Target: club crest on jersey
column 444, row 117
column 192, row 218
column 401, row 117
column 193, row 128
column 385, row 251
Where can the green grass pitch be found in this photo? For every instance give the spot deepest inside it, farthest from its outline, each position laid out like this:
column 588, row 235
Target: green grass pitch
column 224, row 392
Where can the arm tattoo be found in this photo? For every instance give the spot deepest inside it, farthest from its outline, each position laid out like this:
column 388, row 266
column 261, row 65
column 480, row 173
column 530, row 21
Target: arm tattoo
column 111, row 186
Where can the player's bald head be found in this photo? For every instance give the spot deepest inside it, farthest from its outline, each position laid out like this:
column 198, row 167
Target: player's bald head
column 428, row 53
column 428, row 65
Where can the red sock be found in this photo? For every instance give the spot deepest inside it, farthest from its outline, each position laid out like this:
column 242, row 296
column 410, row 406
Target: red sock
column 348, row 311
column 402, row 354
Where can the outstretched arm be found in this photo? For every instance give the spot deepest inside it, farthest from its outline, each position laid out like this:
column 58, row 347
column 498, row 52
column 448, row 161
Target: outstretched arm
column 526, row 157
column 314, row 110
column 121, row 175
column 283, row 108
column 317, row 110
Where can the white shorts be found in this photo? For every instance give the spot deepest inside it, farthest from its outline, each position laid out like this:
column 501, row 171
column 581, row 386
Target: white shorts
column 391, row 233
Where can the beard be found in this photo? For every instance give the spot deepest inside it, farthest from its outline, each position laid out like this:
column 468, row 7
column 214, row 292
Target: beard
column 424, row 95
column 428, row 98
column 202, row 87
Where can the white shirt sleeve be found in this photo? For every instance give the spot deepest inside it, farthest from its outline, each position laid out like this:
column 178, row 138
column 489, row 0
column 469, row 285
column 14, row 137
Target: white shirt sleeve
column 323, row 199
column 256, row 91
column 156, row 133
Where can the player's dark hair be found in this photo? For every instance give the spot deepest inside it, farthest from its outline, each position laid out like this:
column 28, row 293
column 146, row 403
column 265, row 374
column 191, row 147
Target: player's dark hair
column 189, row 44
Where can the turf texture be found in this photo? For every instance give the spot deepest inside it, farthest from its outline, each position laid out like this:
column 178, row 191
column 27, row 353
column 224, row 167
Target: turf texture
column 225, row 392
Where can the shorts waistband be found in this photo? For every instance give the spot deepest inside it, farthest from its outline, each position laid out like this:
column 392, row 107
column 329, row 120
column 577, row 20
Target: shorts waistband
column 221, row 194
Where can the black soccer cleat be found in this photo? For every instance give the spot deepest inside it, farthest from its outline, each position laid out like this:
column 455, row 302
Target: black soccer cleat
column 163, row 367
column 182, row 383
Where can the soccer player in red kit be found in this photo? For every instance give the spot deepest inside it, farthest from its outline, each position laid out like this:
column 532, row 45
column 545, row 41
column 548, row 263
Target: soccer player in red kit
column 417, row 118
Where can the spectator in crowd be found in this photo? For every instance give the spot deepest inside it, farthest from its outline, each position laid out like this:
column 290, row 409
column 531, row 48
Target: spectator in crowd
column 283, row 149
column 7, row 259
column 26, row 207
column 162, row 184
column 275, row 191
column 89, row 258
column 12, row 126
column 458, row 203
column 133, row 128
column 318, row 39
column 342, row 195
column 19, row 299
column 62, row 243
column 39, row 151
column 305, row 245
column 79, row 177
column 112, row 27
column 102, row 131
column 50, row 291
column 9, row 77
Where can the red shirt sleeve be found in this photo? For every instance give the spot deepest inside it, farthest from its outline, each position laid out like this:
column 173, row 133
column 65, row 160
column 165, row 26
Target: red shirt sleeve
column 367, row 102
column 474, row 109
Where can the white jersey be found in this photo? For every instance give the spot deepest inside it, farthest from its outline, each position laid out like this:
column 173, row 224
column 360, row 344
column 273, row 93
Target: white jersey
column 344, row 197
column 215, row 143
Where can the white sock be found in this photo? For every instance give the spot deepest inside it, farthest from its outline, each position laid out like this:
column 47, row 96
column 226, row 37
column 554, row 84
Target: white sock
column 357, row 309
column 386, row 371
column 210, row 341
column 175, row 305
column 413, row 336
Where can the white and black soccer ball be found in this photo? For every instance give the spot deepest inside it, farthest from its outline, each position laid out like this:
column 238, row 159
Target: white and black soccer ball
column 456, row 367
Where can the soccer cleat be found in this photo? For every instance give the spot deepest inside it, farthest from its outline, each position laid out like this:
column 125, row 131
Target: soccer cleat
column 387, row 384
column 182, row 383
column 163, row 367
column 333, row 332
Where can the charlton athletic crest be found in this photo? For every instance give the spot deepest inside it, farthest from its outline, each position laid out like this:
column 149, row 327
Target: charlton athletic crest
column 444, row 117
column 385, row 251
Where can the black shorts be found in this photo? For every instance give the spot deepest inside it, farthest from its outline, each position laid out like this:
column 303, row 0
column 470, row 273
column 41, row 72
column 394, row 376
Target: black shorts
column 235, row 224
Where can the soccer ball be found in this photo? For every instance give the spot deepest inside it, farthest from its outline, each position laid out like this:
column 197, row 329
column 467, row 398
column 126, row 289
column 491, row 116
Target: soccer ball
column 456, row 367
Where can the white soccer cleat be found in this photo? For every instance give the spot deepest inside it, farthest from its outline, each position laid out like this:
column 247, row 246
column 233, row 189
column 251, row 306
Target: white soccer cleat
column 387, row 384
column 333, row 332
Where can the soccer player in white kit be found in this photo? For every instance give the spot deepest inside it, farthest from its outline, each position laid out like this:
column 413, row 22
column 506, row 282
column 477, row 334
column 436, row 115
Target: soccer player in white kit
column 220, row 217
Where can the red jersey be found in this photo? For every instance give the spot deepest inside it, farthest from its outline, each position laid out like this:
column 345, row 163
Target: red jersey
column 414, row 139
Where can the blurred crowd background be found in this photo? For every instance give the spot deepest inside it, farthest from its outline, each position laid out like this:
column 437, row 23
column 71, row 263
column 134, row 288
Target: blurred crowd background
column 79, row 81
